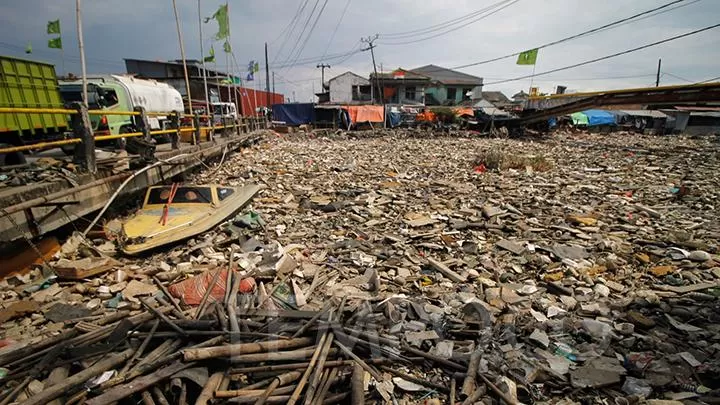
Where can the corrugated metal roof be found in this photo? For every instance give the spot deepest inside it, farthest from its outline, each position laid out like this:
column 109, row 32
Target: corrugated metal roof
column 448, row 76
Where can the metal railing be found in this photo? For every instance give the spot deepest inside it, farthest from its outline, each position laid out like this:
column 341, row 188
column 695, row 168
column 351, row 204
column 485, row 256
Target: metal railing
column 83, row 132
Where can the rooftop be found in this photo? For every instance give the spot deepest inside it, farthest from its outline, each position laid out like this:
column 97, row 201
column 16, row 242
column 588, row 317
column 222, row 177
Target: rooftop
column 447, row 76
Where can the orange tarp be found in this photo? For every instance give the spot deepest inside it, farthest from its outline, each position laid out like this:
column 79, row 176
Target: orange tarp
column 464, row 111
column 365, row 113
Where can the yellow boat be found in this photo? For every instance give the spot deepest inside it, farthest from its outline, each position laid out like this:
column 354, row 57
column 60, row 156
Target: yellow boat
column 173, row 213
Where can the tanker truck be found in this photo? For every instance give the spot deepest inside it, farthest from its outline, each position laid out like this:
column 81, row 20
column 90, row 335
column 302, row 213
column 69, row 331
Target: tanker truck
column 124, row 93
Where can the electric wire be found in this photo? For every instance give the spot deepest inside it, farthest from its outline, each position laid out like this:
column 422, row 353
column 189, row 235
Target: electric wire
column 628, row 51
column 500, row 6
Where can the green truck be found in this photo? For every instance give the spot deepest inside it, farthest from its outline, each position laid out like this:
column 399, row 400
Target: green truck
column 28, row 84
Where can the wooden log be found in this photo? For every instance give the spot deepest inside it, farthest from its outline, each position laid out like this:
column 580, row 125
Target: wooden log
column 282, row 379
column 137, row 385
column 159, row 396
column 469, row 385
column 315, row 380
column 147, row 398
column 296, row 366
column 445, row 270
column 453, row 388
column 98, row 368
column 253, row 393
column 476, row 395
column 358, row 385
column 209, row 389
column 301, row 385
column 325, row 386
column 299, row 354
column 243, row 348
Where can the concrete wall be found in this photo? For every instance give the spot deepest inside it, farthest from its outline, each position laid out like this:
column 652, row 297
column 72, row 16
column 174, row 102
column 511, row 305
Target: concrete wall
column 441, row 92
column 341, row 87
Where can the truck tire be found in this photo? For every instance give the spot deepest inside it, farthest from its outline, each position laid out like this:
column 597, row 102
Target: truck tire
column 12, row 158
column 121, row 143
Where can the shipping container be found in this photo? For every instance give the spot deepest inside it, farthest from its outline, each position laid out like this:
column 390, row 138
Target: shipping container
column 29, row 84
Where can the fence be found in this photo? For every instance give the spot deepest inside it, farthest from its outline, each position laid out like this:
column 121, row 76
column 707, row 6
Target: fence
column 85, row 140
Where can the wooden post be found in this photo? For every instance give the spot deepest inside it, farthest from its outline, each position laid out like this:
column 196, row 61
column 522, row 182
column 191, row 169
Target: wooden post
column 142, row 124
column 175, row 137
column 196, row 133
column 85, row 151
column 146, row 147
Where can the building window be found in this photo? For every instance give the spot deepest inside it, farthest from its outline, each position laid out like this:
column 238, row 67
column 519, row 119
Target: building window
column 410, row 93
column 451, row 93
column 355, row 93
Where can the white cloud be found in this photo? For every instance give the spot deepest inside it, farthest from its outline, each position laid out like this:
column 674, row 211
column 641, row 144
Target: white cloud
column 146, row 29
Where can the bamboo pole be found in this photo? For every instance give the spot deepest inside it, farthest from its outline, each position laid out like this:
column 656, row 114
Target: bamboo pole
column 469, row 385
column 358, row 385
column 301, row 385
column 243, row 348
column 299, row 354
column 98, row 368
column 209, row 389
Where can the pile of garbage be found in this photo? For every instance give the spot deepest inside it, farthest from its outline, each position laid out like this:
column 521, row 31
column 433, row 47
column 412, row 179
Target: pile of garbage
column 577, row 268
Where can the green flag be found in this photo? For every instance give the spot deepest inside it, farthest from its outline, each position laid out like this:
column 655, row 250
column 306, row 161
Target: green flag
column 226, row 47
column 28, row 47
column 55, row 43
column 528, row 57
column 53, row 27
column 221, row 16
column 256, row 67
column 211, row 57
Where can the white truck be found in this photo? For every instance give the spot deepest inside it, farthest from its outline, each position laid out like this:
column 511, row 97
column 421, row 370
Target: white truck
column 124, row 93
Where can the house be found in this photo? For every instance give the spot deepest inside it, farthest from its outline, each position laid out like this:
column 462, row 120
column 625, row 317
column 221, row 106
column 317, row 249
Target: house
column 347, row 88
column 496, row 98
column 219, row 84
column 400, row 87
column 448, row 87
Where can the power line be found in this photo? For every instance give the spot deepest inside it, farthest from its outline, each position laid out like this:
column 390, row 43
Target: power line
column 678, row 77
column 441, row 25
column 293, row 22
column 332, row 37
column 501, row 6
column 608, row 56
column 573, row 79
column 299, row 38
column 312, row 29
column 709, row 80
column 570, row 38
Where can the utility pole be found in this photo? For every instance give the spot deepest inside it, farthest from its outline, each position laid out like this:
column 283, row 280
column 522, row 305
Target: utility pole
column 273, row 83
column 322, row 68
column 657, row 78
column 78, row 16
column 202, row 56
column 267, row 79
column 182, row 55
column 369, row 40
column 371, row 46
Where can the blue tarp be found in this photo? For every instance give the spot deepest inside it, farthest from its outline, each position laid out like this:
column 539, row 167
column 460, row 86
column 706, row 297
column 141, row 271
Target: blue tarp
column 294, row 114
column 599, row 117
column 393, row 119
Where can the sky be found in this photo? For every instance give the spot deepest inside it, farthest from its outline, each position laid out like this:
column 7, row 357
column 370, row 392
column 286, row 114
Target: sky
column 146, row 29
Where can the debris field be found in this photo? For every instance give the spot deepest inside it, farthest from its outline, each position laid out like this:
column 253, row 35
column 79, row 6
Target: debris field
column 404, row 267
